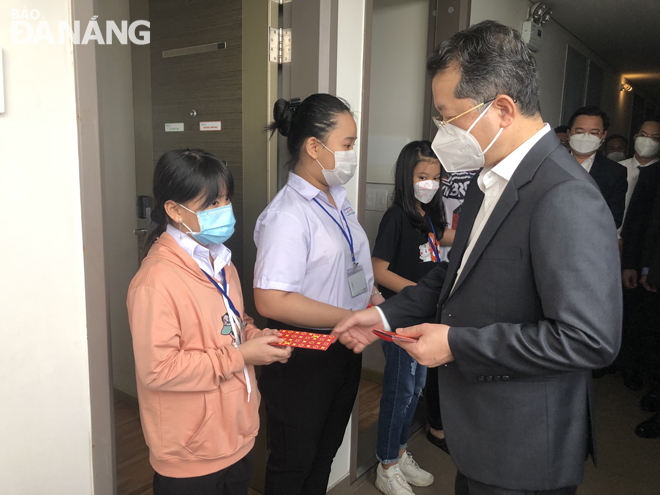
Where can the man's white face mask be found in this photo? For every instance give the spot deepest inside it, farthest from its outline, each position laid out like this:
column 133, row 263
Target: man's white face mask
column 456, row 148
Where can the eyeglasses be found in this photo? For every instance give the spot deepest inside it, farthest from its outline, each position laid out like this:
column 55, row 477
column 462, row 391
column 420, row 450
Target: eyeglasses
column 655, row 137
column 439, row 120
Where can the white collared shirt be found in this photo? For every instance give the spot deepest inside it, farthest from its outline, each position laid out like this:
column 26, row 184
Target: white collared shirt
column 220, row 253
column 301, row 249
column 589, row 162
column 492, row 181
column 633, row 166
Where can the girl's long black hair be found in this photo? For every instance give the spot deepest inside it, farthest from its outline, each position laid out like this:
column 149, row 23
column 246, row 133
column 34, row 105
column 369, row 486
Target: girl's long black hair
column 182, row 175
column 404, row 192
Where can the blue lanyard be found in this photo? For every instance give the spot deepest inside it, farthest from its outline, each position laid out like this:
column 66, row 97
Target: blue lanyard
column 349, row 237
column 433, row 241
column 223, row 291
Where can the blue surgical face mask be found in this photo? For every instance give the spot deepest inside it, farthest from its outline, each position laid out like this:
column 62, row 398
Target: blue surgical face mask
column 216, row 225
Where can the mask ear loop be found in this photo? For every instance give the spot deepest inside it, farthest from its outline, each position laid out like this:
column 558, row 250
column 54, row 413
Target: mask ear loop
column 496, row 135
column 317, row 160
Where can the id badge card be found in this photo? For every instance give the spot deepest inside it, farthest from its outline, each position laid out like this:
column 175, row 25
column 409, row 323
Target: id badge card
column 357, row 281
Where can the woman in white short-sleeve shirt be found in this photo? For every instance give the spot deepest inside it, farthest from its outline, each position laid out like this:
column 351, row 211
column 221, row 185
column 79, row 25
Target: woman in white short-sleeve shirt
column 313, row 267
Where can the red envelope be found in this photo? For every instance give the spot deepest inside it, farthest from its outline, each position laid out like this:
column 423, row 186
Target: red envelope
column 393, row 337
column 306, row 340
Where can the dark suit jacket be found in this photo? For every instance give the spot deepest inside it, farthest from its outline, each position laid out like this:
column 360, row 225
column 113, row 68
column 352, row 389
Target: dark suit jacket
column 537, row 306
column 612, row 180
column 638, row 215
column 651, row 249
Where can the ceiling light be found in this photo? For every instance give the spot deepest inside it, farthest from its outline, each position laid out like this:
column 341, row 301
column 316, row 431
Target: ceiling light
column 626, row 87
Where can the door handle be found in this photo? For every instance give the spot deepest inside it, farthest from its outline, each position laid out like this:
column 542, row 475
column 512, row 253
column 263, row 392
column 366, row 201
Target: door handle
column 140, row 231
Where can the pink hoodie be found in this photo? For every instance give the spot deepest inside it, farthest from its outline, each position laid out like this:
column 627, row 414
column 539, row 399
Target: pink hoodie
column 191, row 388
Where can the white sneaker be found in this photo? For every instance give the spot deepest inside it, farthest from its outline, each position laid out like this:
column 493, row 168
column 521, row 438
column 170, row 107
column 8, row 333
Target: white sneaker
column 391, row 482
column 414, row 474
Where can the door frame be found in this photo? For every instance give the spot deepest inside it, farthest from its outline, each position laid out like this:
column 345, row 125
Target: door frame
column 102, row 443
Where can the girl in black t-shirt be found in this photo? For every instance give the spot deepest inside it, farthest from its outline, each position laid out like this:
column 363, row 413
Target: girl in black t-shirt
column 409, row 237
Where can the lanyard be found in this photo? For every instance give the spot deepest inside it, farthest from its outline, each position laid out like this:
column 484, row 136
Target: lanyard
column 223, row 291
column 433, row 241
column 236, row 321
column 349, row 237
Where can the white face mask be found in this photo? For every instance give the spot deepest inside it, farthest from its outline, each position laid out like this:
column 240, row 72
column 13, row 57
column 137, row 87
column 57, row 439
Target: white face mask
column 617, row 156
column 646, row 147
column 345, row 165
column 425, row 190
column 457, row 149
column 584, row 143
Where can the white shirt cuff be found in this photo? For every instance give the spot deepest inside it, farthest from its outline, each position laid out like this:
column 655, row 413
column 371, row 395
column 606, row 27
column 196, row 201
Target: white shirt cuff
column 386, row 325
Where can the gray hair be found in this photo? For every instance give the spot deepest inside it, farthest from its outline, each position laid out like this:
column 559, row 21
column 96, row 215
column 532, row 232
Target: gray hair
column 493, row 60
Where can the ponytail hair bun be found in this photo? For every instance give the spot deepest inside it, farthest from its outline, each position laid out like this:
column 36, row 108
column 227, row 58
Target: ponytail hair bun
column 283, row 113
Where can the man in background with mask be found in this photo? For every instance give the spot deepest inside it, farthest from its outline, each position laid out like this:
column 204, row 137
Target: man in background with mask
column 615, row 147
column 647, row 151
column 640, row 306
column 530, row 303
column 588, row 129
column 562, row 134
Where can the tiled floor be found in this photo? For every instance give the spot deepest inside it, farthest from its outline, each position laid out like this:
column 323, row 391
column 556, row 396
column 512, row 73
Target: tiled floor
column 627, row 465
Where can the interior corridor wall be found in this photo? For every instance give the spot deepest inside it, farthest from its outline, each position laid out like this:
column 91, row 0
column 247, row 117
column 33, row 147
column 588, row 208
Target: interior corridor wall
column 45, row 421
column 396, row 105
column 551, row 59
column 115, row 90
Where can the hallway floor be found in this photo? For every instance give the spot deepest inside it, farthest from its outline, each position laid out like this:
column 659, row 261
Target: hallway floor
column 627, row 465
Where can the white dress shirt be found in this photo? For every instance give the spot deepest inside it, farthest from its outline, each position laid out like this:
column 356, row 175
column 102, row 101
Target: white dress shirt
column 633, row 166
column 589, row 162
column 301, row 249
column 220, row 253
column 491, row 181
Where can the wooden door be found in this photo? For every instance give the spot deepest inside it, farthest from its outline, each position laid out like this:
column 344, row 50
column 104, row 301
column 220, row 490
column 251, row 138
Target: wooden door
column 196, row 76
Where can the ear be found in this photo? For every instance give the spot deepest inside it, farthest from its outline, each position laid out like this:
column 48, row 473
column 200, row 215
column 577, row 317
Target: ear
column 602, row 140
column 312, row 147
column 172, row 210
column 506, row 109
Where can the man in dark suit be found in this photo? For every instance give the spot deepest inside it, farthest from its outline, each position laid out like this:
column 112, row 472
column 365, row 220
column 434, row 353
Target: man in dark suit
column 587, row 131
column 650, row 280
column 640, row 354
column 530, row 302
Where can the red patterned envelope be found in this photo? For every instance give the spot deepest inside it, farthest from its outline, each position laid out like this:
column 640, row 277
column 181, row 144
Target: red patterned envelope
column 306, row 340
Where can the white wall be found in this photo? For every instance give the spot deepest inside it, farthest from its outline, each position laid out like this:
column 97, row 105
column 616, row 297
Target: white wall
column 551, row 59
column 396, row 104
column 44, row 378
column 115, row 89
column 350, row 57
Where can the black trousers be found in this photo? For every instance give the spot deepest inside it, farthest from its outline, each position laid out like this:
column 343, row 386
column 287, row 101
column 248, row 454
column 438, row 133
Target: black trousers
column 432, row 399
column 234, row 480
column 467, row 486
column 640, row 346
column 308, row 401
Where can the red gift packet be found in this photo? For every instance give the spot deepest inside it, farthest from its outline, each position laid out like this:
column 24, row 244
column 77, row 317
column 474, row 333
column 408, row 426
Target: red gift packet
column 393, row 337
column 306, row 340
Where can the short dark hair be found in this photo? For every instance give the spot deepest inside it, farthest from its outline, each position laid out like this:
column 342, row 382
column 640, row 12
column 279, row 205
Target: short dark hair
column 652, row 118
column 183, row 175
column 612, row 137
column 590, row 111
column 493, row 60
column 561, row 129
column 315, row 117
column 404, row 190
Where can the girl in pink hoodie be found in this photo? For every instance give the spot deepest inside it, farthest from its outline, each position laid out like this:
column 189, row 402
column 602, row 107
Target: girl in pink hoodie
column 195, row 348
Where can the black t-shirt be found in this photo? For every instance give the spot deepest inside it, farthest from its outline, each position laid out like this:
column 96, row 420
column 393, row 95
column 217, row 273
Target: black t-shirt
column 406, row 248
